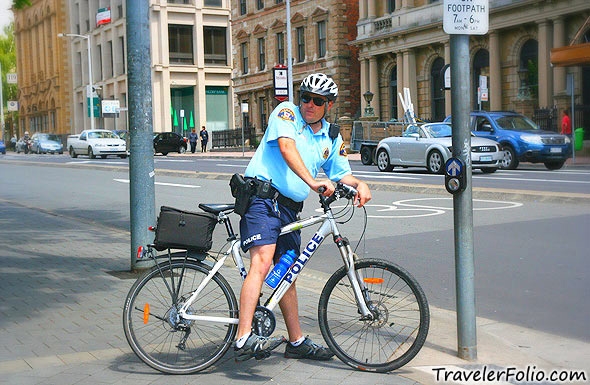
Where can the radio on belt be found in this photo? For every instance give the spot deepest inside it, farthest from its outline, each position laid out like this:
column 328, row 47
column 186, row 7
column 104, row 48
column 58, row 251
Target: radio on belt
column 455, row 180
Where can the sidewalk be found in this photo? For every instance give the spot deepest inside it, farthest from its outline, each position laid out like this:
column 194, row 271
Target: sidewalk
column 64, row 282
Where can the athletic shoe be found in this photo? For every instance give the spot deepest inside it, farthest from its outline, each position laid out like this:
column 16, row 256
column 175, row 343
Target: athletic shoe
column 308, row 349
column 257, row 347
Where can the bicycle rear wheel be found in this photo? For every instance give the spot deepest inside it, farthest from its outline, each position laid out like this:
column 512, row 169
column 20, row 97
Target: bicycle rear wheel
column 164, row 340
column 400, row 324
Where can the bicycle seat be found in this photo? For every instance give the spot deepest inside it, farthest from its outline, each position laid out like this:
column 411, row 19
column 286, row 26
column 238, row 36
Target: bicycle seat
column 216, row 208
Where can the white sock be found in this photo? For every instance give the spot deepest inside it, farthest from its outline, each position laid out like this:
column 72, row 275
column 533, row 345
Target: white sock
column 298, row 342
column 242, row 340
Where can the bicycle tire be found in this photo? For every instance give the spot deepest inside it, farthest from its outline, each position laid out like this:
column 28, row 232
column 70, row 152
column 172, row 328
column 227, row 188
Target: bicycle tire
column 157, row 341
column 392, row 339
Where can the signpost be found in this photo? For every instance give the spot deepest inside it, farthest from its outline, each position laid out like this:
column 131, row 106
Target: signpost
column 462, row 18
column 281, row 82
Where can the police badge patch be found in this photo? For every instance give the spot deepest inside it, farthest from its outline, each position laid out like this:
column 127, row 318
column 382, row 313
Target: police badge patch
column 287, row 114
column 326, row 153
column 342, row 151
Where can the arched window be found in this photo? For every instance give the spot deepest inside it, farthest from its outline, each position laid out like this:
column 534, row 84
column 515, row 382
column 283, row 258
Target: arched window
column 438, row 90
column 393, row 93
column 529, row 62
column 481, row 67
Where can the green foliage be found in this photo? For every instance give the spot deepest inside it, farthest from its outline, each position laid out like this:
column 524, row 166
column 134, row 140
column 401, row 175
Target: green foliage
column 20, row 4
column 8, row 61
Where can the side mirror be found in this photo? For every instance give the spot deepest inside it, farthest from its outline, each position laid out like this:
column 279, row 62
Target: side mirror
column 486, row 127
column 415, row 135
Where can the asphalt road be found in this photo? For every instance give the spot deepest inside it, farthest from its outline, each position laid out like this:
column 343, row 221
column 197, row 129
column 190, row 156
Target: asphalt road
column 530, row 254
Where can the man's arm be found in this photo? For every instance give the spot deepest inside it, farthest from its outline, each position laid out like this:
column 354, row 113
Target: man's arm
column 295, row 163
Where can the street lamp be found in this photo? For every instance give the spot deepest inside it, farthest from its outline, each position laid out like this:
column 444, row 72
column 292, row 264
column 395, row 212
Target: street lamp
column 90, row 89
column 523, row 91
column 369, row 110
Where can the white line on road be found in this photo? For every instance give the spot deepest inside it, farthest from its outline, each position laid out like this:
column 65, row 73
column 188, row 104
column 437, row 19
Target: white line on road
column 162, row 184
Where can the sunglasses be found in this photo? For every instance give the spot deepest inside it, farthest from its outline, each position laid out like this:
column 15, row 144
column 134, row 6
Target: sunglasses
column 318, row 101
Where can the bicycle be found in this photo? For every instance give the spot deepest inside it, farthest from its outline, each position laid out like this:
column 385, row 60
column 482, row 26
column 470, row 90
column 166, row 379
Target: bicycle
column 181, row 316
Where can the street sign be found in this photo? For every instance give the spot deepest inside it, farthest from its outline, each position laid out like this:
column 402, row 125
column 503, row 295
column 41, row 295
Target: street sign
column 466, row 17
column 455, row 176
column 110, row 106
column 12, row 105
column 454, row 167
column 11, row 78
column 281, row 82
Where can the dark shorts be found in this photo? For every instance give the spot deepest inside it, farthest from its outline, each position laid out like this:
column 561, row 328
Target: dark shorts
column 261, row 225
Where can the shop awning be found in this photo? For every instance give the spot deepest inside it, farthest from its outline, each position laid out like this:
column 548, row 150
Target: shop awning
column 571, row 55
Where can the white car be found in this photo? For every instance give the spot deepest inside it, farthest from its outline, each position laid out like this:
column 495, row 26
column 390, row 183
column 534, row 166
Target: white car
column 96, row 143
column 430, row 146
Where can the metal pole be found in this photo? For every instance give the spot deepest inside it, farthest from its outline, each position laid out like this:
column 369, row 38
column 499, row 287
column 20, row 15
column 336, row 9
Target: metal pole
column 91, row 99
column 462, row 201
column 573, row 120
column 141, row 162
column 2, row 104
column 289, row 56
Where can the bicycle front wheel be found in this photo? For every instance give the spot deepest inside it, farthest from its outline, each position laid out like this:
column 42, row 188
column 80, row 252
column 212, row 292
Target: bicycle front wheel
column 164, row 340
column 400, row 321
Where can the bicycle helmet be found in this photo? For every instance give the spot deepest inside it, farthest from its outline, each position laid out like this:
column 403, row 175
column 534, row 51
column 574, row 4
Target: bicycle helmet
column 320, row 84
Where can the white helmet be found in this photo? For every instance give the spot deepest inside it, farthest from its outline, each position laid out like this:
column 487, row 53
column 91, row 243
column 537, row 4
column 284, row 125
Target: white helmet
column 320, row 84
column 26, row 132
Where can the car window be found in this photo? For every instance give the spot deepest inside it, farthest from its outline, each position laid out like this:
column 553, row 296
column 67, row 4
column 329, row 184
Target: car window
column 439, row 130
column 480, row 122
column 516, row 122
column 411, row 130
column 53, row 137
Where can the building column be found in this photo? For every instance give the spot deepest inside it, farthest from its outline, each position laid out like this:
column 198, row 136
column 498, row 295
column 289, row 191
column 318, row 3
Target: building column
column 545, row 86
column 362, row 9
column 448, row 107
column 371, row 9
column 559, row 73
column 364, row 81
column 407, row 4
column 495, row 72
column 399, row 59
column 409, row 79
column 374, row 85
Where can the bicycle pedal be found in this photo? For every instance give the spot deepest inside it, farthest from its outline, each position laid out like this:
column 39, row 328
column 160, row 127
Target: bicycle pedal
column 262, row 355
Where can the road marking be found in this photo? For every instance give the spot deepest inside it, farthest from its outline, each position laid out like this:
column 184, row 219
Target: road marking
column 533, row 180
column 162, row 184
column 105, row 161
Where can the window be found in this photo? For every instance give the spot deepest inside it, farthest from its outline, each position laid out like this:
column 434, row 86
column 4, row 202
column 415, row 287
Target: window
column 300, row 44
column 438, row 90
column 281, row 48
column 393, row 93
column 243, row 8
column 481, row 66
column 321, row 39
column 529, row 62
column 180, row 44
column 213, row 3
column 278, row 1
column 215, row 45
column 244, row 52
column 390, row 6
column 259, row 4
column 261, row 54
column 262, row 112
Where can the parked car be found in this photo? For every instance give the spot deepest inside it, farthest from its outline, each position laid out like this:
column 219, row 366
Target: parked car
column 165, row 142
column 124, row 134
column 430, row 146
column 521, row 139
column 96, row 143
column 46, row 143
column 2, row 147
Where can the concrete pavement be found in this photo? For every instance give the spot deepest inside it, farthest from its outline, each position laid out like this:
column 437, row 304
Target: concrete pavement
column 63, row 283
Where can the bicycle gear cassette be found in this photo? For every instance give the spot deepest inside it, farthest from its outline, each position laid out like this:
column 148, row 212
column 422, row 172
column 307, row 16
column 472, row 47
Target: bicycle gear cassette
column 264, row 321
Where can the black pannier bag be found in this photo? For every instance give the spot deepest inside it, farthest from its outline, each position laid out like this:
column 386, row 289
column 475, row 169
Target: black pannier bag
column 178, row 229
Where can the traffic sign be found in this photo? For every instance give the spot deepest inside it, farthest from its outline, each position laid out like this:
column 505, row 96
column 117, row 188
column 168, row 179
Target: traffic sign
column 466, row 17
column 11, row 78
column 454, row 167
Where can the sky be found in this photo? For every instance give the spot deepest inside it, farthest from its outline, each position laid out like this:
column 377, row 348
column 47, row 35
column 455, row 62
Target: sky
column 5, row 13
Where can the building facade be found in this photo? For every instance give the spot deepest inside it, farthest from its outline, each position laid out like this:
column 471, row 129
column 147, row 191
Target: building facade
column 402, row 45
column 321, row 31
column 191, row 67
column 44, row 77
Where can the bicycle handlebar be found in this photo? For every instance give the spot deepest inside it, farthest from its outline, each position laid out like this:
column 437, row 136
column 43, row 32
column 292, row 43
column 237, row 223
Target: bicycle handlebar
column 342, row 191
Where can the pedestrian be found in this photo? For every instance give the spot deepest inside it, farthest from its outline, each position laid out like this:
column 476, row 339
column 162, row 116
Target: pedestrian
column 297, row 143
column 204, row 139
column 193, row 137
column 566, row 123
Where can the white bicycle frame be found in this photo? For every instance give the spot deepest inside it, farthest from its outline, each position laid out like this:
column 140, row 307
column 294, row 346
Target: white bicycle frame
column 328, row 226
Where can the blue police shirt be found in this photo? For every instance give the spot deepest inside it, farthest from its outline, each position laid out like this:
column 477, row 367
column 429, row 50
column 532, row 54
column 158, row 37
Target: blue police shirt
column 317, row 151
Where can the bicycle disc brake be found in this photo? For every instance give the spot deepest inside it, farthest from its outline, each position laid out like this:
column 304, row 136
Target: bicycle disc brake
column 264, row 321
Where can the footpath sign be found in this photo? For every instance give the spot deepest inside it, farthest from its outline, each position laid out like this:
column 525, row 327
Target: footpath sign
column 466, row 17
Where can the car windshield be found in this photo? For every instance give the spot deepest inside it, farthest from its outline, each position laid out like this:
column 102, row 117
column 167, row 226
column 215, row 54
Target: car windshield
column 102, row 135
column 438, row 130
column 516, row 122
column 53, row 137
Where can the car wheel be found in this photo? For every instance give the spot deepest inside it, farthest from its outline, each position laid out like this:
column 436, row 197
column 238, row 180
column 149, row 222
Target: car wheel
column 383, row 163
column 73, row 153
column 554, row 165
column 366, row 156
column 38, row 150
column 489, row 170
column 509, row 160
column 434, row 162
column 91, row 153
column 181, row 150
column 123, row 156
column 103, row 156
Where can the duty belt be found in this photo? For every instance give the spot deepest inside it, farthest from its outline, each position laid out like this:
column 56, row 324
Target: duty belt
column 265, row 190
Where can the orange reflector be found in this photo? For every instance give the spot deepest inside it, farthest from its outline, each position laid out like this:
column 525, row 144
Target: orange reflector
column 373, row 280
column 146, row 313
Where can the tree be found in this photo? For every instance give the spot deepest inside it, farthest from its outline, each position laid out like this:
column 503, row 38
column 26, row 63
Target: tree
column 8, row 63
column 20, row 4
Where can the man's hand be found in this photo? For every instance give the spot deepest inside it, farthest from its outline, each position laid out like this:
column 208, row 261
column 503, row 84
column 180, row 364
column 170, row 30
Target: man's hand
column 326, row 184
column 363, row 192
